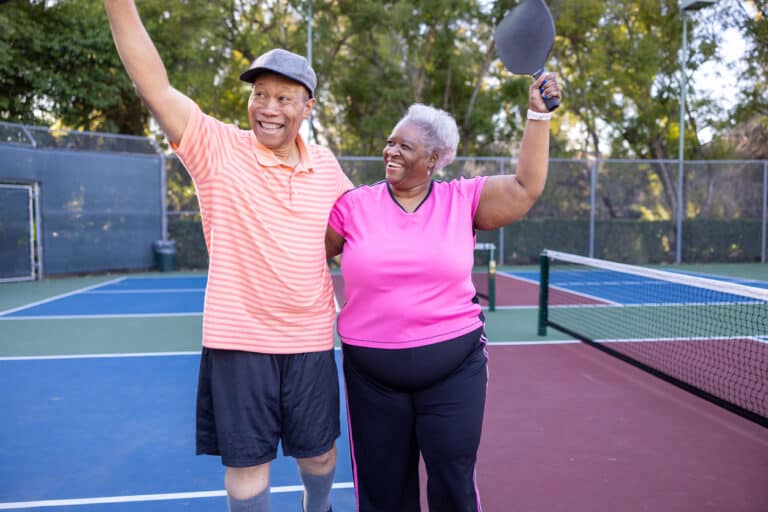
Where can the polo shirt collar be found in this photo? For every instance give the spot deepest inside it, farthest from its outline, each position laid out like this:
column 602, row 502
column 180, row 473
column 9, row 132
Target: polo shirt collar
column 266, row 158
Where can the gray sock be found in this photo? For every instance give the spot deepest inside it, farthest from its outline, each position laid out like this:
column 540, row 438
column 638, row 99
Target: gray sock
column 259, row 503
column 318, row 489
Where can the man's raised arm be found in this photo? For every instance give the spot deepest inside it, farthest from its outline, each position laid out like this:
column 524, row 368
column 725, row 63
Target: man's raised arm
column 170, row 107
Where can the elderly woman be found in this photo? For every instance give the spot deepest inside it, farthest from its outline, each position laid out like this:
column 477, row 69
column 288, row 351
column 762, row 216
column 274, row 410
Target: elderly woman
column 411, row 327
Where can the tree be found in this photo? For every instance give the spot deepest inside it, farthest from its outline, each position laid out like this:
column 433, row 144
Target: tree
column 59, row 63
column 618, row 62
column 743, row 133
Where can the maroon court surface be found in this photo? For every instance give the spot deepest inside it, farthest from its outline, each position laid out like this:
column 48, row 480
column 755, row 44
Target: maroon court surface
column 569, row 428
column 510, row 292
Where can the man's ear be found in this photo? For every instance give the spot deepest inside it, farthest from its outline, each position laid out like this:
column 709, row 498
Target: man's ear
column 308, row 106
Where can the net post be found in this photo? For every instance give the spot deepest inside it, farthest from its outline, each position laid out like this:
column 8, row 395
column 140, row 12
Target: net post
column 492, row 285
column 543, row 293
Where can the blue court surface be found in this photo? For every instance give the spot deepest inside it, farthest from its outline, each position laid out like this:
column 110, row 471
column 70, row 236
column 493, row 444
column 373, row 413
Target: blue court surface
column 117, row 434
column 628, row 289
column 131, row 296
column 181, row 296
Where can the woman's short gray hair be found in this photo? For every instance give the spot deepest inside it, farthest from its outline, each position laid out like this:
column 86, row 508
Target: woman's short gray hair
column 441, row 134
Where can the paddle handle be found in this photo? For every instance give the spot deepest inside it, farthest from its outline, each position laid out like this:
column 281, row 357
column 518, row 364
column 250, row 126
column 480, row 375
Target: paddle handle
column 551, row 103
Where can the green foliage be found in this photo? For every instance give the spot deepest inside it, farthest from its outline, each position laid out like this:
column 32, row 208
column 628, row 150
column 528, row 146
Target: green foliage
column 618, row 63
column 59, row 65
column 743, row 132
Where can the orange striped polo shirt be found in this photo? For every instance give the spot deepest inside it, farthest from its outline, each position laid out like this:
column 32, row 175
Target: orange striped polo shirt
column 269, row 287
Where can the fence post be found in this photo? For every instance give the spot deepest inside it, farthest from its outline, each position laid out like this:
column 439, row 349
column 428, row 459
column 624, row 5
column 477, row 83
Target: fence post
column 680, row 207
column 492, row 284
column 163, row 198
column 592, row 202
column 501, row 229
column 765, row 208
column 40, row 268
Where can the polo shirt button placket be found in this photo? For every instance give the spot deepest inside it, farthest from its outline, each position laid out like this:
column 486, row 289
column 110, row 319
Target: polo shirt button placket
column 291, row 190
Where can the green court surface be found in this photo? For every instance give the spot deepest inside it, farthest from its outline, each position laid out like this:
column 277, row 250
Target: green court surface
column 64, row 336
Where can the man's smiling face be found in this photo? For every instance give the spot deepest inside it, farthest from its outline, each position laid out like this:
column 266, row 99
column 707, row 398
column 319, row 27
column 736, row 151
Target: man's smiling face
column 276, row 108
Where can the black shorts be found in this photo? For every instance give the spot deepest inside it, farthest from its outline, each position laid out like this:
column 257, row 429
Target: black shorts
column 247, row 402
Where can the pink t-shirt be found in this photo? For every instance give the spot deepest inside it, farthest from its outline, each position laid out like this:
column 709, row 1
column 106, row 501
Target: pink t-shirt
column 407, row 276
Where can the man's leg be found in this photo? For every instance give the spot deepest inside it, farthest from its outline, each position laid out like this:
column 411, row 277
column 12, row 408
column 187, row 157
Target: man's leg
column 311, row 422
column 247, row 488
column 243, row 427
column 317, row 475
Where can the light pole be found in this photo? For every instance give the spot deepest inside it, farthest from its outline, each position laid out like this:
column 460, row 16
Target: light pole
column 685, row 6
column 310, row 137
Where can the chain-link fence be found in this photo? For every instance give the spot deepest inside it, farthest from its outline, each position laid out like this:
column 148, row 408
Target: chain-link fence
column 98, row 202
column 621, row 210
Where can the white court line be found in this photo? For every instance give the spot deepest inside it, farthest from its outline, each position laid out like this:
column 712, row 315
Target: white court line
column 533, row 306
column 56, row 297
column 558, row 287
column 197, row 353
column 641, row 305
column 148, row 290
column 149, row 497
column 516, row 276
column 697, row 339
column 98, row 356
column 81, row 317
column 538, row 342
column 603, row 301
column 168, row 278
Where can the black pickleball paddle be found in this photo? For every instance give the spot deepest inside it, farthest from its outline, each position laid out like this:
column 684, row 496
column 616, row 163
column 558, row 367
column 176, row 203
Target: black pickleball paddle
column 524, row 39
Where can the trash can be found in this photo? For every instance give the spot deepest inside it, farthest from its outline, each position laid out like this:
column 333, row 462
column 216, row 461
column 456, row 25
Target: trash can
column 165, row 255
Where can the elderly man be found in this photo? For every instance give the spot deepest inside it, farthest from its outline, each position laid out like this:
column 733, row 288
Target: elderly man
column 267, row 370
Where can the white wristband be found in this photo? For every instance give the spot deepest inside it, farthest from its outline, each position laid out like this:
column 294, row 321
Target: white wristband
column 538, row 116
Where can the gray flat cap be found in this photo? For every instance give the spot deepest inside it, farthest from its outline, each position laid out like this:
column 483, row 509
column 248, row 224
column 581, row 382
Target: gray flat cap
column 285, row 63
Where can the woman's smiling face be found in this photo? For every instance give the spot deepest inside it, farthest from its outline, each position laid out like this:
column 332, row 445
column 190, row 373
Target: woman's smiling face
column 406, row 160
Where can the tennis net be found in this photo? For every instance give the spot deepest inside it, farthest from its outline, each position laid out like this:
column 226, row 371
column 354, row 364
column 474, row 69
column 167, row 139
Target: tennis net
column 704, row 335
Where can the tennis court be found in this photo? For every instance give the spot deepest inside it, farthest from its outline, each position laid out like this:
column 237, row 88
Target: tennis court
column 100, row 372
